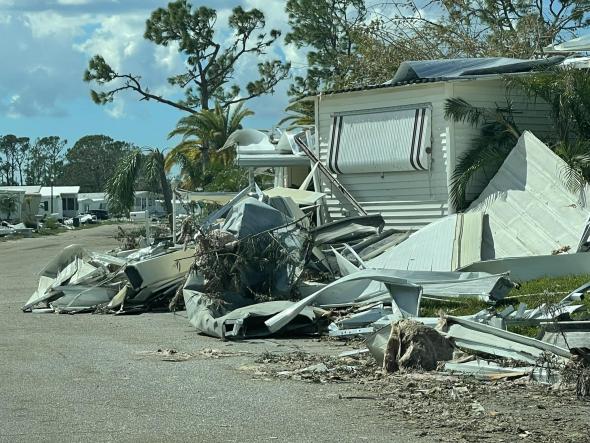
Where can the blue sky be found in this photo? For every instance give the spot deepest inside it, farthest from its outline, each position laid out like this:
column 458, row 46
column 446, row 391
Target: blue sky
column 46, row 45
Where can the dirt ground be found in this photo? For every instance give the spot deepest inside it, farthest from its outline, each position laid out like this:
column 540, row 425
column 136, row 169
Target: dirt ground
column 151, row 377
column 445, row 407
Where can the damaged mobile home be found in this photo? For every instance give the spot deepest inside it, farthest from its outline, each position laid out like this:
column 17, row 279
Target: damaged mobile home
column 353, row 245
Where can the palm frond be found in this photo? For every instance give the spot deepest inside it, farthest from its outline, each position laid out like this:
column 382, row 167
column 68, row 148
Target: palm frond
column 152, row 167
column 481, row 161
column 460, row 110
column 120, row 191
column 202, row 134
column 302, row 113
column 575, row 174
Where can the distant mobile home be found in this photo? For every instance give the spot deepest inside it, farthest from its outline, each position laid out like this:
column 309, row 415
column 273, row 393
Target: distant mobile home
column 144, row 200
column 393, row 149
column 27, row 198
column 65, row 201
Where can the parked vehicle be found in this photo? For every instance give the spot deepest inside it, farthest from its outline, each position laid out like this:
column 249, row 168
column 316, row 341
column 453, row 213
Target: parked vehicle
column 101, row 214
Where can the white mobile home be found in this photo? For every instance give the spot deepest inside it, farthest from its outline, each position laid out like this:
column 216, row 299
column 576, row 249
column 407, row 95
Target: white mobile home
column 393, row 149
column 28, row 198
column 11, row 201
column 150, row 201
column 64, row 198
column 88, row 201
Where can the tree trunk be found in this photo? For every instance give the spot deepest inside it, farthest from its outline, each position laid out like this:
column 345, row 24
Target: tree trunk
column 166, row 191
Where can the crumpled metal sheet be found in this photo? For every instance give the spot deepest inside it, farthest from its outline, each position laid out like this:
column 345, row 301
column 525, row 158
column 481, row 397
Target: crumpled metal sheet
column 405, row 295
column 437, row 284
column 80, row 298
column 348, row 229
column 235, row 316
column 46, row 291
column 478, row 337
column 443, row 245
column 250, row 216
column 567, row 334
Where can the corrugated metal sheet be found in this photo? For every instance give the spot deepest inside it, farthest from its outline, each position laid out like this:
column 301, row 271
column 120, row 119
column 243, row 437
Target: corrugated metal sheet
column 443, row 245
column 529, row 210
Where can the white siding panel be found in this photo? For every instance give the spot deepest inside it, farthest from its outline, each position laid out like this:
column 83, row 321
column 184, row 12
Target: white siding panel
column 406, row 199
column 530, row 114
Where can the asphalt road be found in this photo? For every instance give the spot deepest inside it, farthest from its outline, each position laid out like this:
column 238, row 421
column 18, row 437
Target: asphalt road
column 87, row 377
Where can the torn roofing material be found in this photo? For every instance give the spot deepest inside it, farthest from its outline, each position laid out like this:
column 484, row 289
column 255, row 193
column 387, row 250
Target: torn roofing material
column 478, row 337
column 529, row 209
column 443, row 245
column 348, row 229
column 523, row 269
column 438, row 284
column 236, row 316
column 404, row 294
column 461, row 67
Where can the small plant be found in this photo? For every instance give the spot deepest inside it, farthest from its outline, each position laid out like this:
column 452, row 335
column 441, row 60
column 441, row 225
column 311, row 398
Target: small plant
column 50, row 223
column 8, row 204
column 129, row 238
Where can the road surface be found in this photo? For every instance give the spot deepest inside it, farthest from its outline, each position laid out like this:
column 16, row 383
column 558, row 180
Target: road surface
column 90, row 377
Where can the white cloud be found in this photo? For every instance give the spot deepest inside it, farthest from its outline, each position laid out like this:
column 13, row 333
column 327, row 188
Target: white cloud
column 73, row 2
column 168, row 58
column 49, row 23
column 55, row 39
column 116, row 38
column 116, row 109
column 38, row 83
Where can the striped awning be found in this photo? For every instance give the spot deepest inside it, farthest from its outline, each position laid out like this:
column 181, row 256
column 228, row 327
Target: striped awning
column 381, row 140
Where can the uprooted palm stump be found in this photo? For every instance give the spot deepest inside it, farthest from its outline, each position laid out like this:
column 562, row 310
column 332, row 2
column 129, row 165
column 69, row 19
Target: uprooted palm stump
column 412, row 345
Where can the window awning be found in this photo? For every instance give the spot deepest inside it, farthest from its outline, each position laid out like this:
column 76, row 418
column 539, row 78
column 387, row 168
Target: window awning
column 381, row 140
column 271, row 160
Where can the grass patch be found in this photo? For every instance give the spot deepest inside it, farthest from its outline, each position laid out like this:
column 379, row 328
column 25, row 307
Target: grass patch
column 547, row 290
column 467, row 306
column 42, row 232
column 529, row 331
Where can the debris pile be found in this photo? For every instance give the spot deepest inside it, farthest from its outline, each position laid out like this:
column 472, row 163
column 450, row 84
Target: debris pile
column 78, row 280
column 262, row 266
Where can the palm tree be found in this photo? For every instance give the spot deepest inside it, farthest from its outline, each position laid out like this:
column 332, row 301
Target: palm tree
column 203, row 134
column 567, row 91
column 120, row 188
column 302, row 114
column 488, row 151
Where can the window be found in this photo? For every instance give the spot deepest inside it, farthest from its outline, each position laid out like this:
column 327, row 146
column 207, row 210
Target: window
column 46, row 206
column 69, row 204
column 381, row 140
